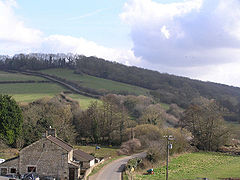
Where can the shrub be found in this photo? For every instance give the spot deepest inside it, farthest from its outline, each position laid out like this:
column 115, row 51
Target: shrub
column 130, row 146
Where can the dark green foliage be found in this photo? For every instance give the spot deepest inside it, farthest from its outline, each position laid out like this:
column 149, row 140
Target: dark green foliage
column 10, row 120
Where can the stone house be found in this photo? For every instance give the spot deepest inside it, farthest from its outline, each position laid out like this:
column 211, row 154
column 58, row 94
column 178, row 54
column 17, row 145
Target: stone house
column 84, row 159
column 49, row 156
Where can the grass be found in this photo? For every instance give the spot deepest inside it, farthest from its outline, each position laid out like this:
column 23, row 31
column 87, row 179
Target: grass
column 31, row 88
column 95, row 82
column 84, row 101
column 199, row 165
column 165, row 106
column 105, row 152
column 5, row 76
column 7, row 153
column 29, row 92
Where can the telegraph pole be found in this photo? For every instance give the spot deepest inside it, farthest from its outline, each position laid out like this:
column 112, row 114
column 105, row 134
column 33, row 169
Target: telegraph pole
column 168, row 138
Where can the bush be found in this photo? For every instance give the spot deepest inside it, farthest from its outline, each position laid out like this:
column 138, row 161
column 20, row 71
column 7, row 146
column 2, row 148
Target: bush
column 130, row 147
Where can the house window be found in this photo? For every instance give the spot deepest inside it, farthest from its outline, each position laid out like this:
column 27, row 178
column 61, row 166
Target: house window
column 13, row 170
column 3, row 171
column 31, row 169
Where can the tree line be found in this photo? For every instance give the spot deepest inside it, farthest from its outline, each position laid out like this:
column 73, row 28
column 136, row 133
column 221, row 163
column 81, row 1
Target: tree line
column 163, row 87
column 114, row 120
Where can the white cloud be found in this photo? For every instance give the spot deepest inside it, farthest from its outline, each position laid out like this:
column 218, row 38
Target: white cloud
column 165, row 32
column 15, row 37
column 194, row 38
column 189, row 33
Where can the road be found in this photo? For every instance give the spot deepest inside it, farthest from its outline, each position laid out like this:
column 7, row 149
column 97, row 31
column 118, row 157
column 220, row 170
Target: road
column 113, row 170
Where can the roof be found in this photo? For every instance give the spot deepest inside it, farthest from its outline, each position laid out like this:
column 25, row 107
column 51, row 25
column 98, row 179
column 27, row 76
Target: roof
column 9, row 160
column 82, row 156
column 60, row 143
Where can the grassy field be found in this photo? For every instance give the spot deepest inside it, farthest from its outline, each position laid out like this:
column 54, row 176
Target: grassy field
column 28, row 92
column 199, row 165
column 105, row 152
column 84, row 101
column 94, row 82
column 5, row 76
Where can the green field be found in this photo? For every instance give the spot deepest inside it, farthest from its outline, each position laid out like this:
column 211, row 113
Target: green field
column 84, row 101
column 29, row 92
column 105, row 152
column 94, row 82
column 199, row 165
column 5, row 76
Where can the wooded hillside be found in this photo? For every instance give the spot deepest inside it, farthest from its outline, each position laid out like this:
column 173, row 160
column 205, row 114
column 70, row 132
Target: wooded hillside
column 163, row 87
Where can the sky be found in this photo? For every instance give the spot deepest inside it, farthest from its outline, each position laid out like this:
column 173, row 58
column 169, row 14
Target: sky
column 199, row 39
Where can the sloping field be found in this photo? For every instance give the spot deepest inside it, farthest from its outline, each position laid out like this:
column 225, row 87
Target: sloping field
column 199, row 165
column 5, row 76
column 28, row 92
column 94, row 82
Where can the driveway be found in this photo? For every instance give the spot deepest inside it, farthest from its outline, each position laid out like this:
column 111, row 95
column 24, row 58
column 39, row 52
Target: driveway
column 113, row 170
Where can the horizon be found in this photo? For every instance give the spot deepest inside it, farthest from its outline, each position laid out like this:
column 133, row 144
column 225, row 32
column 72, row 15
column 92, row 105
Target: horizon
column 197, row 39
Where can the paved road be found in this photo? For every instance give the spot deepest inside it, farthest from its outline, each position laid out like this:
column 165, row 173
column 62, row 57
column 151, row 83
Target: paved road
column 113, row 170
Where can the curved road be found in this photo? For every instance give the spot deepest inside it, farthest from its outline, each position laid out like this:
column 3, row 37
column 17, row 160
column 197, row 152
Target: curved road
column 113, row 170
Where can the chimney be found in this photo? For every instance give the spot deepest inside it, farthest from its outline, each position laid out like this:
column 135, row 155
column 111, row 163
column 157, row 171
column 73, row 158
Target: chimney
column 52, row 132
column 44, row 135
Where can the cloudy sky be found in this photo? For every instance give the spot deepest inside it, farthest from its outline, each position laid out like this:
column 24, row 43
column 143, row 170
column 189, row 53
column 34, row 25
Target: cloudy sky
column 194, row 38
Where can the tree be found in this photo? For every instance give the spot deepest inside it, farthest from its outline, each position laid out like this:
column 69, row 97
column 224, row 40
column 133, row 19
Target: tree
column 205, row 122
column 11, row 120
column 43, row 113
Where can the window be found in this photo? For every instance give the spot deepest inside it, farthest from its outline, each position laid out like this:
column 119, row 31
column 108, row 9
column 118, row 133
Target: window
column 3, row 171
column 31, row 169
column 13, row 170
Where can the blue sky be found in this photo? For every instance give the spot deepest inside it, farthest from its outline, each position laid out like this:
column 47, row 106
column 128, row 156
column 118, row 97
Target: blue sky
column 94, row 20
column 195, row 38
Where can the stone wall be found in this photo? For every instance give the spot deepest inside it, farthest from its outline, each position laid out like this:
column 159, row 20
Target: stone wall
column 7, row 166
column 48, row 158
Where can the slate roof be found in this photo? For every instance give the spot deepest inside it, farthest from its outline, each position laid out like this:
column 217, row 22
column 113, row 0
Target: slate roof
column 9, row 160
column 82, row 156
column 60, row 143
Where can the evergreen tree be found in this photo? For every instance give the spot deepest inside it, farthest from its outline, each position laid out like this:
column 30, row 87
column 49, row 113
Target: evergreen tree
column 11, row 120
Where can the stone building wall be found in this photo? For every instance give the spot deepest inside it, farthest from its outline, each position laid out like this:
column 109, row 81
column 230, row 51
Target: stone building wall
column 8, row 167
column 48, row 158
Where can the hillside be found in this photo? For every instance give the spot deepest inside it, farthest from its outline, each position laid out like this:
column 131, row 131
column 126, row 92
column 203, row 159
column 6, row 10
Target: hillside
column 26, row 88
column 96, row 83
column 99, row 76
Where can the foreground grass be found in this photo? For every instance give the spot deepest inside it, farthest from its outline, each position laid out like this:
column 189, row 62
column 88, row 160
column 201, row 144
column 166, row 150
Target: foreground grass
column 199, row 165
column 95, row 82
